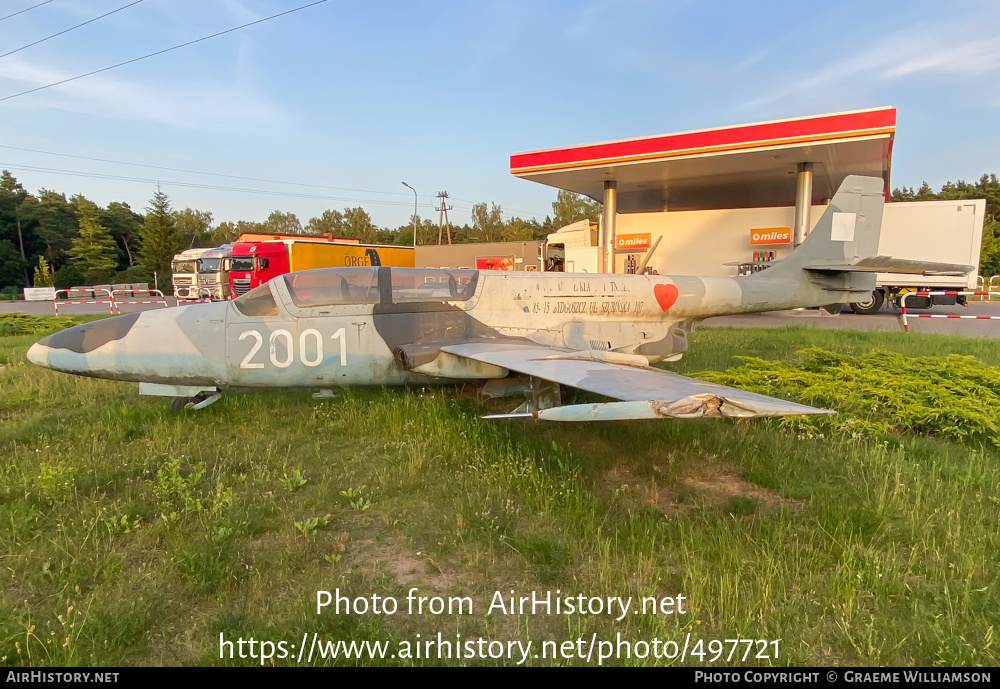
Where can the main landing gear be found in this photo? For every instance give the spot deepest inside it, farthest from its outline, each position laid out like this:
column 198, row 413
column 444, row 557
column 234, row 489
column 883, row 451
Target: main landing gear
column 538, row 393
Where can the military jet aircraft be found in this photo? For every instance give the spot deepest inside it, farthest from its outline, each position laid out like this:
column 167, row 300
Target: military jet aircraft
column 519, row 333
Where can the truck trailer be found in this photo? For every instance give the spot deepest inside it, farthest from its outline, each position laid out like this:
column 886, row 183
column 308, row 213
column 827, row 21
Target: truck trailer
column 254, row 263
column 940, row 231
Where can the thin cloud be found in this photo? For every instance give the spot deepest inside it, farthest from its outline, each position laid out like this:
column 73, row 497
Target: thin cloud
column 241, row 11
column 201, row 106
column 942, row 50
column 973, row 58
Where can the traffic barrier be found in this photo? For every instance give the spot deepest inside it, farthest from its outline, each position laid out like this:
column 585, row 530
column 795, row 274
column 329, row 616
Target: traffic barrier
column 204, row 297
column 79, row 292
column 902, row 306
column 143, row 292
column 980, row 285
column 990, row 286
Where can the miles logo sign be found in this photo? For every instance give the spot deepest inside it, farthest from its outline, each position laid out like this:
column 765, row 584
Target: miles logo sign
column 632, row 242
column 771, row 235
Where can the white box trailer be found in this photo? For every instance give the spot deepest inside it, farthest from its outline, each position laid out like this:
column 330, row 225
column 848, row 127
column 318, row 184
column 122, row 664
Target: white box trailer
column 940, row 231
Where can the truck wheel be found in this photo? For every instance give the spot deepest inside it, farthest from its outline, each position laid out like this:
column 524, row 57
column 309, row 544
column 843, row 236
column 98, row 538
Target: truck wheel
column 869, row 306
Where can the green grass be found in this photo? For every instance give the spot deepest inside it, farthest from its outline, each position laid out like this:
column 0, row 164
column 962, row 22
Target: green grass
column 129, row 536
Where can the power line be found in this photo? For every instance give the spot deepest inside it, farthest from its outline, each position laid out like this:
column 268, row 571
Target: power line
column 226, row 176
column 515, row 210
column 89, row 21
column 161, row 52
column 194, row 185
column 214, row 187
column 25, row 10
column 209, row 174
column 223, row 175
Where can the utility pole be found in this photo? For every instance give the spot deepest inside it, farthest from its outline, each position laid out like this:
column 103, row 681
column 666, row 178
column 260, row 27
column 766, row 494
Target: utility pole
column 443, row 216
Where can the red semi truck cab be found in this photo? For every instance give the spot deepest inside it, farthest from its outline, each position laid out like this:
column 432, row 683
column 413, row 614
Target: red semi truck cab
column 254, row 263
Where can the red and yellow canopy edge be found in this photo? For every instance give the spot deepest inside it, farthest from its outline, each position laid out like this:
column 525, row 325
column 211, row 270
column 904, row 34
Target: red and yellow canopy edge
column 747, row 136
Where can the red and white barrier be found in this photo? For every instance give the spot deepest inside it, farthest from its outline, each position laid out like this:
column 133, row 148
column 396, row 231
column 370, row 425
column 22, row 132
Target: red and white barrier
column 903, row 315
column 990, row 286
column 110, row 301
column 151, row 292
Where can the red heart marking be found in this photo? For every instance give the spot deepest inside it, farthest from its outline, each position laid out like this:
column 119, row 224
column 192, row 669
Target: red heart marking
column 665, row 295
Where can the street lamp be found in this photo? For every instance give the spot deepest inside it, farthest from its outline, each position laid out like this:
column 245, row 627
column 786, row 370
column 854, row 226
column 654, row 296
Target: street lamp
column 414, row 214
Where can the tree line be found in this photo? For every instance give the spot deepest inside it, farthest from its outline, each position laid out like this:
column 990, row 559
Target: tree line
column 49, row 240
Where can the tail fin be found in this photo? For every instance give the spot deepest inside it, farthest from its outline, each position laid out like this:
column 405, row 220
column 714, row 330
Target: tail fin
column 838, row 261
column 845, row 242
column 847, row 232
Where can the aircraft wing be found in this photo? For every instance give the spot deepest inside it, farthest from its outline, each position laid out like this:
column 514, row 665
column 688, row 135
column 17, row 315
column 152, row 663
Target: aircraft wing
column 645, row 392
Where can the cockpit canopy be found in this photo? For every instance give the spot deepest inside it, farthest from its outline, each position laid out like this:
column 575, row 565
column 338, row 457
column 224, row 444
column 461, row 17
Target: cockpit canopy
column 333, row 286
column 432, row 284
column 364, row 285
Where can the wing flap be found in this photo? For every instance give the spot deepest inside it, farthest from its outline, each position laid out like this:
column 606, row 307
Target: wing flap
column 644, row 392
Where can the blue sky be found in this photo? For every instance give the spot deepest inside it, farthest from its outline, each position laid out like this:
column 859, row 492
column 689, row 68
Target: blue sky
column 355, row 97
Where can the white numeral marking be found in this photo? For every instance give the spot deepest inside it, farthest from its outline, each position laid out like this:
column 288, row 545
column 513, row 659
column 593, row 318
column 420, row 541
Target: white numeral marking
column 318, row 340
column 342, row 335
column 289, row 354
column 253, row 350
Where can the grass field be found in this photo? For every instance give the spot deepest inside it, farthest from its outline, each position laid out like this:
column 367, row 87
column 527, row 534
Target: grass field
column 129, row 536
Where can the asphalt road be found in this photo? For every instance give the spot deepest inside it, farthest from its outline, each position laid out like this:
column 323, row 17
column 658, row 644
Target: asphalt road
column 886, row 320
column 45, row 307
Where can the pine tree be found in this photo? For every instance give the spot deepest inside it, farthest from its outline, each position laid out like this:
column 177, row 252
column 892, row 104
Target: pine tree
column 159, row 238
column 93, row 251
column 43, row 274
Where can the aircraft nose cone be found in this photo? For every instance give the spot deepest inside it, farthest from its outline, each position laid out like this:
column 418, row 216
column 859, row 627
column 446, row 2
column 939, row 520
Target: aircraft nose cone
column 182, row 345
column 68, row 350
column 38, row 353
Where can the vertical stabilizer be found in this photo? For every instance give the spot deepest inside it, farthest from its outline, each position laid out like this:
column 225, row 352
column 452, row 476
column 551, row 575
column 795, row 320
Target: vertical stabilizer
column 847, row 232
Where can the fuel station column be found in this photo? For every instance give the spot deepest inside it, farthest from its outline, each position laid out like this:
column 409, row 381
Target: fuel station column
column 803, row 202
column 608, row 233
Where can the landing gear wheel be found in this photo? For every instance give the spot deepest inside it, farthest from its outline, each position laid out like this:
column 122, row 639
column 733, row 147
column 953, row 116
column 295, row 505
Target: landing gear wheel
column 199, row 401
column 869, row 306
column 179, row 404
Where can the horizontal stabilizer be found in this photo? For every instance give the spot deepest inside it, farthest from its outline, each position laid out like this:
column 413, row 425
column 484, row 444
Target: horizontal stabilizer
column 888, row 264
column 704, row 405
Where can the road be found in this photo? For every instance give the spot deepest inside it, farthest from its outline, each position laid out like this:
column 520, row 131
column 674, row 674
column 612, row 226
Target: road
column 817, row 319
column 884, row 320
column 45, row 307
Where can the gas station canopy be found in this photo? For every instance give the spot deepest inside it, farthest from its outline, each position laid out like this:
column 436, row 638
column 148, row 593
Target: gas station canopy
column 742, row 166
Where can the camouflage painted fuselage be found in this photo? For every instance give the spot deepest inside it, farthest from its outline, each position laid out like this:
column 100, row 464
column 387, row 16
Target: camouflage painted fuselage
column 387, row 343
column 397, row 326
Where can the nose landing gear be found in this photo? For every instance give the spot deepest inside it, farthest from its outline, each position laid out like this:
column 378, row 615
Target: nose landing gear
column 199, row 401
